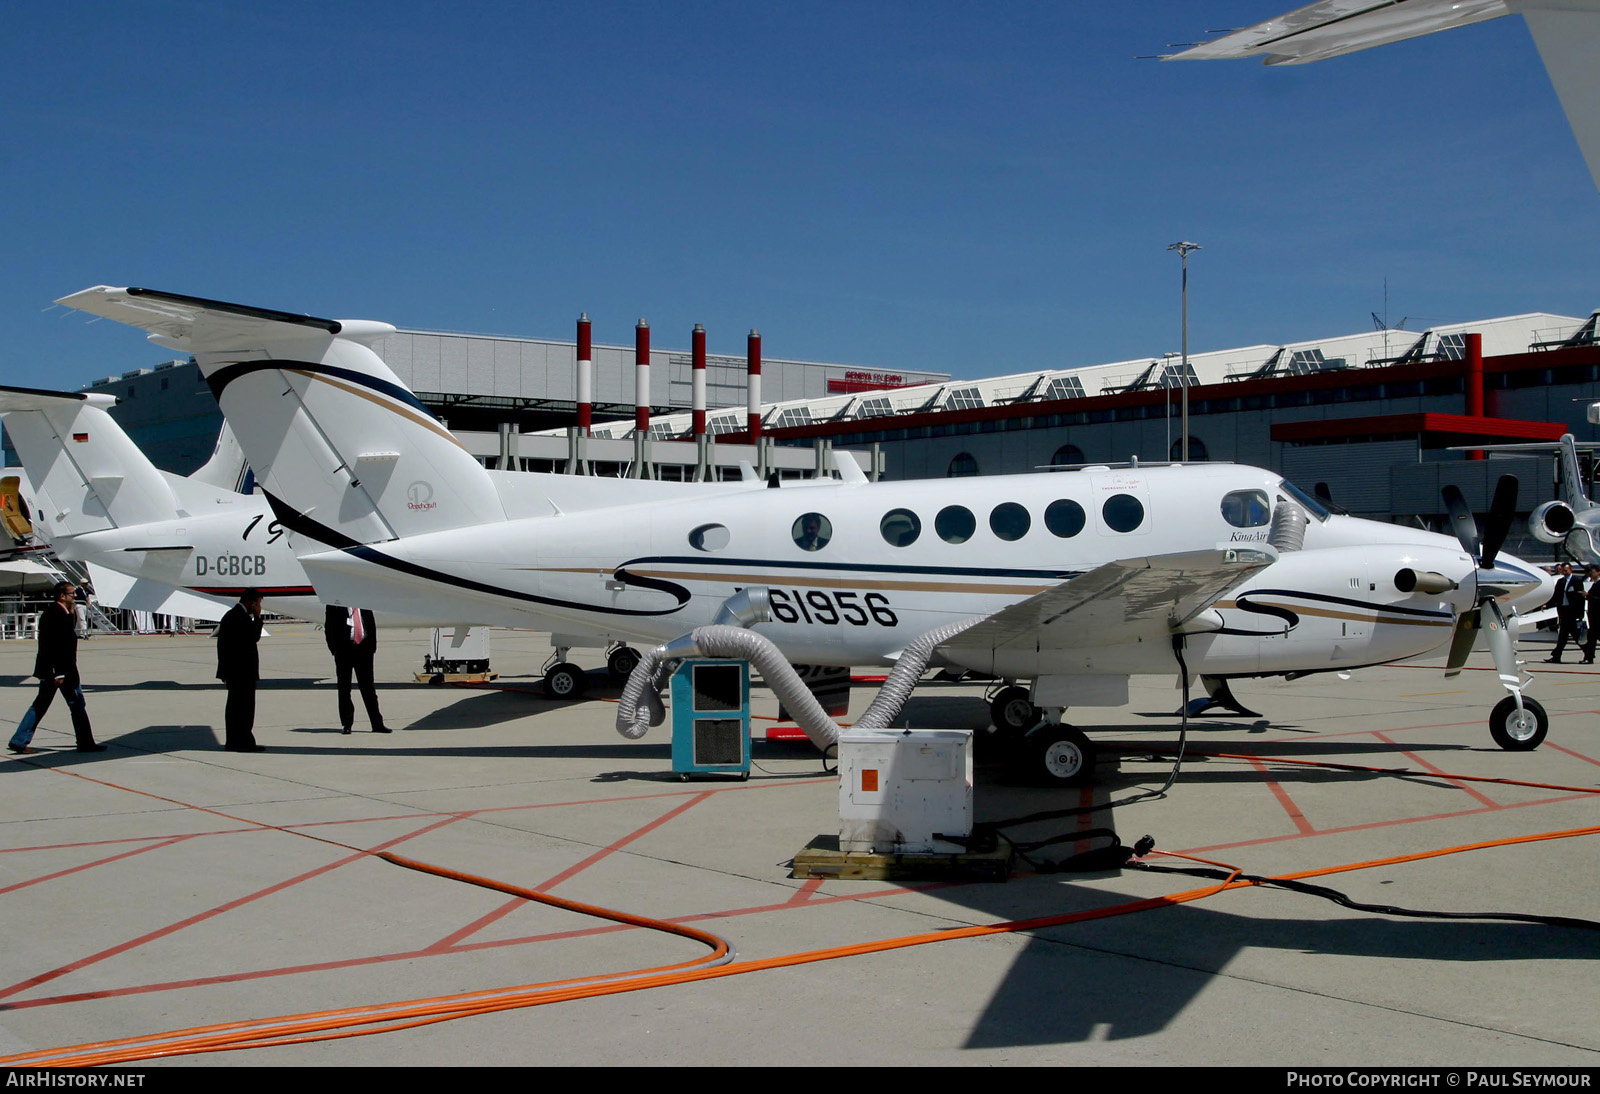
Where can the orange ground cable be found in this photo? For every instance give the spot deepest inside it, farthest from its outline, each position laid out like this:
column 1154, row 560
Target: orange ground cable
column 294, row 1029
column 380, row 1018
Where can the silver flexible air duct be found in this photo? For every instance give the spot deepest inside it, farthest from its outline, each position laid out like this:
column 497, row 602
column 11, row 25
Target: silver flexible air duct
column 1288, row 527
column 747, row 645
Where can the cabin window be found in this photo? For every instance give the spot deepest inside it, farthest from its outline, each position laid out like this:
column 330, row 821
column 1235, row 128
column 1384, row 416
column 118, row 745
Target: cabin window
column 812, row 531
column 1123, row 512
column 1009, row 521
column 1247, row 508
column 709, row 537
column 1064, row 518
column 900, row 527
column 955, row 524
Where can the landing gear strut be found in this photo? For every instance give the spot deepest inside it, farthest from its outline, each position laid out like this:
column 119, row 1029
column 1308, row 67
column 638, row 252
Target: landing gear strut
column 564, row 680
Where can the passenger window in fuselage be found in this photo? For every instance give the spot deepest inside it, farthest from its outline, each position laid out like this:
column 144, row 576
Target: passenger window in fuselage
column 900, row 527
column 1064, row 518
column 955, row 524
column 1123, row 512
column 1009, row 521
column 709, row 537
column 812, row 531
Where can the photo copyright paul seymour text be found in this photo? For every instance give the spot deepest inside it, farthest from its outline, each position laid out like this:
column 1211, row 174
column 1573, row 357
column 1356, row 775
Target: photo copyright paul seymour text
column 1464, row 1079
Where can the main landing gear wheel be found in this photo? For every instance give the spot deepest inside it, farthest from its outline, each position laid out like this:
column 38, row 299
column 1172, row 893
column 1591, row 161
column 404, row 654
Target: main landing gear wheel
column 1518, row 731
column 565, row 681
column 1013, row 712
column 1063, row 756
column 621, row 662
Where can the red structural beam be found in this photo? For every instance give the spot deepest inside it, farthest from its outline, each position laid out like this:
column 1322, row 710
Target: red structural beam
column 1444, row 425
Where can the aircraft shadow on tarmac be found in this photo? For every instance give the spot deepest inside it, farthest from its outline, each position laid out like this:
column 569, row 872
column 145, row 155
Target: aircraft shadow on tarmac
column 277, row 683
column 1131, row 976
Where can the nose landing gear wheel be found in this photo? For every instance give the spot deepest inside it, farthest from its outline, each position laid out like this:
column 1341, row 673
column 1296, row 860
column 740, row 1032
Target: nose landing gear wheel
column 1013, row 712
column 565, row 681
column 1518, row 731
column 621, row 662
column 1063, row 756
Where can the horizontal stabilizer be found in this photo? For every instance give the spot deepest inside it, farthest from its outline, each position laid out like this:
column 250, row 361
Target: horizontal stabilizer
column 306, row 398
column 119, row 590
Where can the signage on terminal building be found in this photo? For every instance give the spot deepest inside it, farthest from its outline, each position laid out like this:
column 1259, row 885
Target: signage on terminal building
column 855, row 380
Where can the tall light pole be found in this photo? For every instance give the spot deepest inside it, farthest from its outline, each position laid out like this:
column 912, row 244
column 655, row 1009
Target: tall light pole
column 1183, row 250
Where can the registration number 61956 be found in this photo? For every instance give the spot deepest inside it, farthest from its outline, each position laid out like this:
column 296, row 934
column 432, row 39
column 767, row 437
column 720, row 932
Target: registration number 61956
column 828, row 606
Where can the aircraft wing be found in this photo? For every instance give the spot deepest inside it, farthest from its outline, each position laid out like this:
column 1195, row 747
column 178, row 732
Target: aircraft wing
column 1332, row 28
column 1566, row 32
column 1124, row 601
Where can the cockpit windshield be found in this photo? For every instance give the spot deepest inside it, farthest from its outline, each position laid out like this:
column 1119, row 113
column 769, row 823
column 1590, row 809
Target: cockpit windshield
column 1304, row 500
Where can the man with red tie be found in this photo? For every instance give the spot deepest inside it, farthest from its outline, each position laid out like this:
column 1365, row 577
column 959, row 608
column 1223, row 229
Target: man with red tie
column 352, row 638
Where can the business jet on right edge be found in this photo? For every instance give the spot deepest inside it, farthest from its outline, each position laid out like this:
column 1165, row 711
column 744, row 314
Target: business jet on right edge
column 1072, row 581
column 1571, row 521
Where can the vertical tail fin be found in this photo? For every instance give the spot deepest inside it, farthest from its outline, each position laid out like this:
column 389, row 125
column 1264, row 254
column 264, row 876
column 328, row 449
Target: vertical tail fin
column 86, row 473
column 1571, row 477
column 328, row 429
column 227, row 469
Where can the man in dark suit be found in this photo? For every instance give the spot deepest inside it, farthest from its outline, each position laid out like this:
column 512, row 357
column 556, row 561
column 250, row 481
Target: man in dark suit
column 56, row 666
column 1569, row 609
column 1592, row 597
column 352, row 638
column 239, row 666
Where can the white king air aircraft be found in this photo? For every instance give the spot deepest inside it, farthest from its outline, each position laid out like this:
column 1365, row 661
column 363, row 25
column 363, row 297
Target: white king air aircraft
column 1072, row 581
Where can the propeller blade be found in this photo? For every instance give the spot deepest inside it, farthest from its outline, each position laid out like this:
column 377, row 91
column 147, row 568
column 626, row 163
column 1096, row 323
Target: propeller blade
column 1461, row 643
column 1500, row 642
column 1461, row 522
column 1501, row 511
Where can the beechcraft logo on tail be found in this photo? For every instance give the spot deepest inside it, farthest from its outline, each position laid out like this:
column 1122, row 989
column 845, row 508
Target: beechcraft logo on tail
column 419, row 495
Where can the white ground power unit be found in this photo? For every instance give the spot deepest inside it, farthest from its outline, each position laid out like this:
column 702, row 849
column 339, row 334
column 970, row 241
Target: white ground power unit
column 899, row 789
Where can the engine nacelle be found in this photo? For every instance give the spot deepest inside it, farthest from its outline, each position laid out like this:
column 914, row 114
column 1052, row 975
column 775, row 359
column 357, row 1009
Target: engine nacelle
column 1551, row 522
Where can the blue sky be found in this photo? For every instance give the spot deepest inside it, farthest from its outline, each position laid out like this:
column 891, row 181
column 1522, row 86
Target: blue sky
column 973, row 188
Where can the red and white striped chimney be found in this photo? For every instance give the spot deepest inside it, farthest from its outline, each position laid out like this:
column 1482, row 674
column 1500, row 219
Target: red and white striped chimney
column 698, row 398
column 585, row 377
column 753, row 371
column 641, row 377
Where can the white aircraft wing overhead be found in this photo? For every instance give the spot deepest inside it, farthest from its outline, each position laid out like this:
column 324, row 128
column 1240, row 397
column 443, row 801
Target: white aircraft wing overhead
column 1332, row 28
column 1567, row 33
column 1123, row 601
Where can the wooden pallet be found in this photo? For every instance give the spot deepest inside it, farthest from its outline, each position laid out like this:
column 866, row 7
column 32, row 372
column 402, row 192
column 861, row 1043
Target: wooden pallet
column 822, row 858
column 455, row 677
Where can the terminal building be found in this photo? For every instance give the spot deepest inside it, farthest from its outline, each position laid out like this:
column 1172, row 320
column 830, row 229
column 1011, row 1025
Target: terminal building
column 1377, row 420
